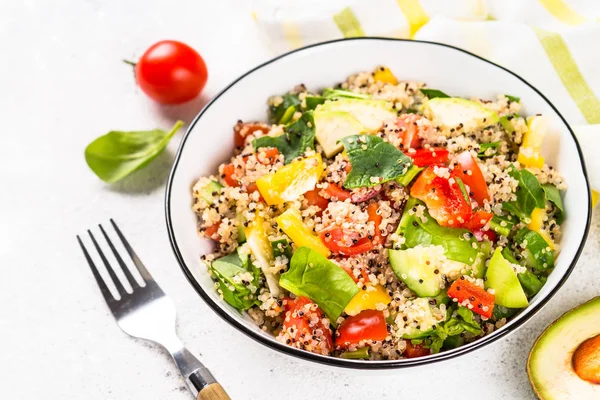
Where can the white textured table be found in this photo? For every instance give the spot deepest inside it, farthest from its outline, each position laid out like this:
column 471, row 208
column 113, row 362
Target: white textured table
column 62, row 84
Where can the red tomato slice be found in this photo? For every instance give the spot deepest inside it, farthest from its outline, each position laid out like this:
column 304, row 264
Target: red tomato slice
column 315, row 199
column 478, row 220
column 300, row 315
column 443, row 197
column 409, row 131
column 254, row 188
column 363, row 274
column 376, row 218
column 267, row 155
column 336, row 193
column 229, row 175
column 241, row 130
column 481, row 300
column 334, row 240
column 469, row 172
column 431, row 156
column 212, row 230
column 367, row 325
column 415, row 350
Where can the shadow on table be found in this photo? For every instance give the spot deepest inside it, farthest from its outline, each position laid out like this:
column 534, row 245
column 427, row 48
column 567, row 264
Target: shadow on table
column 148, row 179
column 185, row 112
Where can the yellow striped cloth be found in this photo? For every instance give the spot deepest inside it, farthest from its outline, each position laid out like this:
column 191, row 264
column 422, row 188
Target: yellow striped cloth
column 551, row 43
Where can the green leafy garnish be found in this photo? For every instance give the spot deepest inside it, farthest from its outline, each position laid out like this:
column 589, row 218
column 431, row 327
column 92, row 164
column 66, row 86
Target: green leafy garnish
column 553, row 196
column 461, row 322
column 313, row 101
column 373, row 161
column 237, row 294
column 530, row 194
column 483, row 147
column 463, row 189
column 330, row 93
column 530, row 283
column 506, row 124
column 433, row 93
column 282, row 247
column 411, row 111
column 514, row 99
column 290, row 102
column 296, row 138
column 317, row 278
column 117, row 154
column 501, row 225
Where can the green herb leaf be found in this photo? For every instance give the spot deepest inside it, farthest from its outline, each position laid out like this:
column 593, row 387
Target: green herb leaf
column 117, row 154
column 313, row 101
column 433, row 93
column 317, row 278
column 530, row 283
column 296, row 138
column 529, row 196
column 330, row 93
column 463, row 189
column 514, row 99
column 553, row 196
column 483, row 147
column 373, row 161
column 225, row 269
column 457, row 324
column 277, row 113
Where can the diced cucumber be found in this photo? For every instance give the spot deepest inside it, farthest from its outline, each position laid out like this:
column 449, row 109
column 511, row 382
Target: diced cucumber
column 454, row 111
column 415, row 268
column 331, row 93
column 332, row 126
column 507, row 288
column 501, row 225
column 537, row 252
column 370, row 113
column 211, row 191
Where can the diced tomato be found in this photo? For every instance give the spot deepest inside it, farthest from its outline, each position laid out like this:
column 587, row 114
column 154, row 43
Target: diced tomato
column 415, row 350
column 485, row 235
column 478, row 220
column 229, row 175
column 443, row 197
column 376, row 218
column 315, row 199
column 469, row 172
column 481, row 300
column 409, row 131
column 254, row 188
column 363, row 274
column 431, row 156
column 366, row 325
column 335, row 239
column 334, row 192
column 299, row 323
column 241, row 130
column 267, row 155
column 212, row 230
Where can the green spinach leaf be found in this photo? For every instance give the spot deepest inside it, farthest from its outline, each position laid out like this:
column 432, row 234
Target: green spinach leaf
column 514, row 99
column 317, row 278
column 453, row 327
column 484, row 147
column 373, row 161
column 296, row 138
column 553, row 196
column 530, row 283
column 433, row 93
column 313, row 101
column 530, row 194
column 230, row 272
column 289, row 105
column 117, row 154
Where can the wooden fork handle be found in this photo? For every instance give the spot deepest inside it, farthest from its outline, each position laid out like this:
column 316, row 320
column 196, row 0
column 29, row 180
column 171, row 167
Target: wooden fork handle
column 214, row 391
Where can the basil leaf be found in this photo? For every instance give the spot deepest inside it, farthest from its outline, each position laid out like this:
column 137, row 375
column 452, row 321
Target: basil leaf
column 553, row 196
column 330, row 93
column 433, row 93
column 317, row 278
column 117, row 154
column 277, row 112
column 514, row 99
column 483, row 147
column 296, row 138
column 530, row 194
column 373, row 161
column 225, row 270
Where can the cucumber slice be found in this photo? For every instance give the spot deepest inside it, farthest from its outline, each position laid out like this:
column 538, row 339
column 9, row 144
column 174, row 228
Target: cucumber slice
column 453, row 111
column 501, row 277
column 211, row 191
column 331, row 126
column 370, row 113
column 241, row 237
column 416, row 267
column 537, row 252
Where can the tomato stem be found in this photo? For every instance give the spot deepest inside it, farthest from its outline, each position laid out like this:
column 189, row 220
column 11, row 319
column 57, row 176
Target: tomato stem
column 133, row 64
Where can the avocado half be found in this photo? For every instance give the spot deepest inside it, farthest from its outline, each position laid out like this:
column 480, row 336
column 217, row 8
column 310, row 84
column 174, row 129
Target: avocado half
column 564, row 362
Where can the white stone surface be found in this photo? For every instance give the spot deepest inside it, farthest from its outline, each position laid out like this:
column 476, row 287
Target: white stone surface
column 61, row 85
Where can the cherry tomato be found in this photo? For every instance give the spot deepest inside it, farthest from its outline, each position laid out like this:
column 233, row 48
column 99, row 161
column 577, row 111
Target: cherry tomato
column 171, row 72
column 478, row 220
column 431, row 156
column 376, row 218
column 366, row 325
column 228, row 175
column 409, row 130
column 315, row 199
column 300, row 315
column 481, row 300
column 335, row 239
column 212, row 230
column 363, row 273
column 337, row 193
column 443, row 197
column 241, row 130
column 415, row 350
column 469, row 172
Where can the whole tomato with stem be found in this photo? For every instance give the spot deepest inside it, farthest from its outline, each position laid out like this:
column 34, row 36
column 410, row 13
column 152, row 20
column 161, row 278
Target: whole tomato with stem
column 171, row 72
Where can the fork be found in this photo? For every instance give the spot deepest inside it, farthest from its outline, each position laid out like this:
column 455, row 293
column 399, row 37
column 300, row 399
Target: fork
column 148, row 313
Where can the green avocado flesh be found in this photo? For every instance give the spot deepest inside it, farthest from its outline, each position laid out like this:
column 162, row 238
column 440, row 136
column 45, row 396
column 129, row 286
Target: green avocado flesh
column 412, row 267
column 550, row 361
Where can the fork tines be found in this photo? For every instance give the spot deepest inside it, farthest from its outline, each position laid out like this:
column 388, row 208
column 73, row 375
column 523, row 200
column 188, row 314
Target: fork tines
column 129, row 278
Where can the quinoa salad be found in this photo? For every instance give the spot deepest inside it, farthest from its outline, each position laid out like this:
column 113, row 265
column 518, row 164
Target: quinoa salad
column 382, row 219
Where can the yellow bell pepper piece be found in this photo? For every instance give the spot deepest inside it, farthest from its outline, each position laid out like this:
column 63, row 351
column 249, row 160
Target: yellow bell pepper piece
column 367, row 299
column 537, row 221
column 594, row 198
column 530, row 150
column 383, row 74
column 261, row 248
column 291, row 223
column 291, row 181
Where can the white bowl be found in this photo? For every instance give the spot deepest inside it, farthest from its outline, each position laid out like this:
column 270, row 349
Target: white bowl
column 209, row 141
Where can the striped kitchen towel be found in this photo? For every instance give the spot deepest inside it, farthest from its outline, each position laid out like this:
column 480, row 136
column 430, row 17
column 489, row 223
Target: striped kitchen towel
column 553, row 44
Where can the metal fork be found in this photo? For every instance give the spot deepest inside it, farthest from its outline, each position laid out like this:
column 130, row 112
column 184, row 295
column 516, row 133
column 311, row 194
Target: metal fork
column 148, row 313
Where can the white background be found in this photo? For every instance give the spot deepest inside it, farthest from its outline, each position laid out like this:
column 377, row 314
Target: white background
column 62, row 83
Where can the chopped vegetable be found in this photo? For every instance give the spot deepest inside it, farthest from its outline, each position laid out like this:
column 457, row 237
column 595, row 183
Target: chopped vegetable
column 412, row 172
column 530, row 150
column 455, row 112
column 338, row 242
column 370, row 113
column 529, row 195
column 330, row 93
column 415, row 350
column 501, row 277
column 315, row 199
column 429, row 156
column 291, row 223
column 531, row 284
column 368, row 325
column 376, row 219
column 478, row 220
column 332, row 126
column 433, row 93
column 336, row 193
column 373, row 160
column 484, row 147
column 259, row 244
column 290, row 101
column 468, row 171
column 363, row 353
column 302, row 319
column 538, row 216
column 367, row 299
column 409, row 128
column 297, row 137
column 553, row 196
column 312, row 275
column 536, row 251
column 514, row 99
column 236, row 292
column 475, row 298
column 501, row 225
column 385, row 75
column 415, row 268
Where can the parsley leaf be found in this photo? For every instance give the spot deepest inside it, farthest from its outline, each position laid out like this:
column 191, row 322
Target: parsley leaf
column 373, row 161
column 296, row 138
